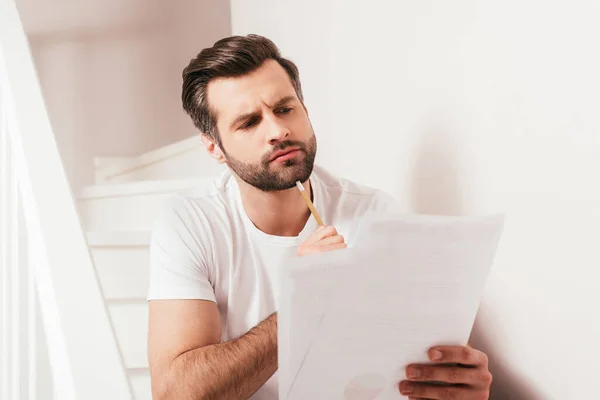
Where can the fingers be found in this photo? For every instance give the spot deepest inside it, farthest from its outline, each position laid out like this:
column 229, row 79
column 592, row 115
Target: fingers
column 329, row 240
column 415, row 390
column 321, row 249
column 476, row 377
column 459, row 372
column 324, row 239
column 458, row 354
column 321, row 233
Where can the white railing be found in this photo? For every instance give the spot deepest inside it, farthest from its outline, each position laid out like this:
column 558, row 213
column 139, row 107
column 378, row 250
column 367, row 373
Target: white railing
column 44, row 258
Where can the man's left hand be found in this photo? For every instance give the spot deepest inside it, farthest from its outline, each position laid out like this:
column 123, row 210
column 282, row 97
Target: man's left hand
column 459, row 372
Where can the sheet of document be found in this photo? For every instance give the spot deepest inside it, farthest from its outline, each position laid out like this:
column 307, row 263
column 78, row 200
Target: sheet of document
column 350, row 321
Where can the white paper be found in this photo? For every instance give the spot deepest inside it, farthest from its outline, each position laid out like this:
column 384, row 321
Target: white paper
column 352, row 320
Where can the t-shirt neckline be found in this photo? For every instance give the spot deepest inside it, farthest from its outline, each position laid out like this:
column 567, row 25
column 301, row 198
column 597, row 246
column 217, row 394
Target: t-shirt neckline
column 310, row 226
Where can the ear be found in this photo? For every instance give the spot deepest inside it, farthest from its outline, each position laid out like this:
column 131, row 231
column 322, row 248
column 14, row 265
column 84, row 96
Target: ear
column 213, row 149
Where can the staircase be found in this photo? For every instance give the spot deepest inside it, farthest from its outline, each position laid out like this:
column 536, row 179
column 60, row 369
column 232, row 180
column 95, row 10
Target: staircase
column 117, row 214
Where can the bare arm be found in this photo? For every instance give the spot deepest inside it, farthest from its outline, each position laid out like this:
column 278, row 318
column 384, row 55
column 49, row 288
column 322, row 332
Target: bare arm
column 188, row 362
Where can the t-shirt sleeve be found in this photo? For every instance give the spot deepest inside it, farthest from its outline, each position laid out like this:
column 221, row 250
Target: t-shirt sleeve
column 383, row 202
column 179, row 254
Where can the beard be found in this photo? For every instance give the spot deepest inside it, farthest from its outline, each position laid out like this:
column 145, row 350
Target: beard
column 269, row 176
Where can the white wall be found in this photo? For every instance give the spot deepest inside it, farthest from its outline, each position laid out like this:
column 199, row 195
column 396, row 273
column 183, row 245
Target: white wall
column 112, row 84
column 471, row 107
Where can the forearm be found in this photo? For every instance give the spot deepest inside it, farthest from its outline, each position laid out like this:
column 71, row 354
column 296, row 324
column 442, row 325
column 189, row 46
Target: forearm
column 231, row 370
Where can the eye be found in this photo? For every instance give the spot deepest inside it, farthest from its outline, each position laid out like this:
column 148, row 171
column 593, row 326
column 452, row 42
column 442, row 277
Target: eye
column 285, row 110
column 249, row 124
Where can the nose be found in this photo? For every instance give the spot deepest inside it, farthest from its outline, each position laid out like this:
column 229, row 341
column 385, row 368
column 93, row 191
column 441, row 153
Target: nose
column 278, row 131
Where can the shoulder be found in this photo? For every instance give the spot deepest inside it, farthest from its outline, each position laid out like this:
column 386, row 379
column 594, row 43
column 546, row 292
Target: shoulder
column 198, row 209
column 348, row 193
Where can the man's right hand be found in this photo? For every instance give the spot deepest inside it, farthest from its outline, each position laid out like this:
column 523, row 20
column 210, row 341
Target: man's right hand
column 324, row 239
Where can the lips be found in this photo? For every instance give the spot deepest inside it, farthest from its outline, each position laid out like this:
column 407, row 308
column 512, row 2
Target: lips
column 284, row 152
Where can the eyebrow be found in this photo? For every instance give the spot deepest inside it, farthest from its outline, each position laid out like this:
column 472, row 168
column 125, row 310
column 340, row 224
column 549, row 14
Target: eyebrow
column 283, row 101
column 249, row 115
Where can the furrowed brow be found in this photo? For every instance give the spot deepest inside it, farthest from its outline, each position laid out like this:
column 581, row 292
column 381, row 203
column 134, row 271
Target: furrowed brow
column 284, row 100
column 243, row 117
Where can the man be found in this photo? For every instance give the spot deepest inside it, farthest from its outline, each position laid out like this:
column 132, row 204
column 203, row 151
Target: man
column 216, row 249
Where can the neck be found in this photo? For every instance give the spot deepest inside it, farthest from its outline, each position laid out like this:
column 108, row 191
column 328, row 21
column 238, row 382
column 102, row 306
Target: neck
column 279, row 213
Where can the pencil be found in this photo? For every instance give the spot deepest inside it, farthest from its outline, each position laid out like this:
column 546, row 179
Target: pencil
column 309, row 203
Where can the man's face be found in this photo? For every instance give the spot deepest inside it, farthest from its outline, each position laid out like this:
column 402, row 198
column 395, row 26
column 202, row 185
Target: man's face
column 266, row 136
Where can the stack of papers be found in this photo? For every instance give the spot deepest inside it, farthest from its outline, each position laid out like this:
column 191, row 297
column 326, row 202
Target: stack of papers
column 350, row 321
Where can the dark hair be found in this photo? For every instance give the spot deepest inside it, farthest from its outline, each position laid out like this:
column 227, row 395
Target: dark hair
column 229, row 57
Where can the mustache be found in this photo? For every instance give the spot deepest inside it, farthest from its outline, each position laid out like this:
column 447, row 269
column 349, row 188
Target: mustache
column 282, row 146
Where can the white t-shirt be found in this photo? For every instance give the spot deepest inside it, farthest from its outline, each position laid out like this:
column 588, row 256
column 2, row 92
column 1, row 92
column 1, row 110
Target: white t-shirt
column 204, row 246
